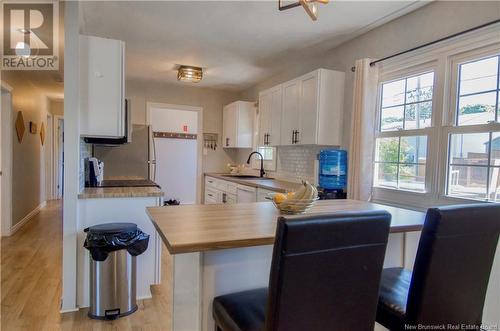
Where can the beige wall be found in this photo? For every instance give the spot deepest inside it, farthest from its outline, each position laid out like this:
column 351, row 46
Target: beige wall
column 56, row 107
column 28, row 180
column 436, row 20
column 211, row 100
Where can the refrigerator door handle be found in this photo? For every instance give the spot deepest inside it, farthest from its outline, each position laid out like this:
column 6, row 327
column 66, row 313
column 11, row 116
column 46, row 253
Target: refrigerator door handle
column 153, row 161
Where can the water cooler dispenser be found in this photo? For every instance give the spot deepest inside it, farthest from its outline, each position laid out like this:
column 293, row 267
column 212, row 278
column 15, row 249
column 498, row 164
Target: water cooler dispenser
column 332, row 174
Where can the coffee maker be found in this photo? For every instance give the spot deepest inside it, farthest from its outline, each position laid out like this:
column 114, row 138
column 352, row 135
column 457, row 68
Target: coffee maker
column 96, row 172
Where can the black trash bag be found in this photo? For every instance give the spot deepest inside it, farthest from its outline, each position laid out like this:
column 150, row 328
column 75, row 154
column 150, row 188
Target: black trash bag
column 106, row 238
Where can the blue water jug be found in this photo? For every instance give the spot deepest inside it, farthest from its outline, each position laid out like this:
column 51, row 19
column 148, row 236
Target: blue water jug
column 333, row 169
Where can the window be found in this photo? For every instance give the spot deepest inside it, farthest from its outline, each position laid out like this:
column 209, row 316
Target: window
column 437, row 139
column 407, row 103
column 474, row 152
column 400, row 163
column 267, row 153
column 478, row 92
column 400, row 157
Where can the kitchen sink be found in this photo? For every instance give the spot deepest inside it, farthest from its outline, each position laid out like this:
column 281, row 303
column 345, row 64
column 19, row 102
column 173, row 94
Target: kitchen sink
column 247, row 177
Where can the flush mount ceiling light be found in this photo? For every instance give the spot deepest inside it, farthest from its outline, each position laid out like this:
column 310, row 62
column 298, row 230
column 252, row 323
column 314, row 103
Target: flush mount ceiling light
column 190, row 74
column 310, row 6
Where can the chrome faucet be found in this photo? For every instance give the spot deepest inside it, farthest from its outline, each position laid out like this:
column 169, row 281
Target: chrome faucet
column 262, row 172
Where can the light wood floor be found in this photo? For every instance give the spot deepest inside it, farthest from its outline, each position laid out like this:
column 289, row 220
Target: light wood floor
column 30, row 288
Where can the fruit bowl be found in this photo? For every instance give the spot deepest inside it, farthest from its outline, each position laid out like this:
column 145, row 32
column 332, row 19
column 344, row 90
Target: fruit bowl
column 295, row 202
column 294, row 206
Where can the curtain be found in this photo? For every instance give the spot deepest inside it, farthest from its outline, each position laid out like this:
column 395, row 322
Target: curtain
column 361, row 151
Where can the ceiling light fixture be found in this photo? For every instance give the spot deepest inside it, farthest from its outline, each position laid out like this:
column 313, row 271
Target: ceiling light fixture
column 310, row 6
column 189, row 74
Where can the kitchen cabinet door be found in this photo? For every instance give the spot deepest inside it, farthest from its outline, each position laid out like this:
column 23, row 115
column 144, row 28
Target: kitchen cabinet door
column 274, row 138
column 230, row 118
column 102, row 96
column 238, row 119
column 290, row 112
column 211, row 197
column 265, row 100
column 308, row 109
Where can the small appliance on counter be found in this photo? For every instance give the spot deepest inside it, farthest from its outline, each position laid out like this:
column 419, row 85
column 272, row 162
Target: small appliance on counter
column 332, row 174
column 96, row 172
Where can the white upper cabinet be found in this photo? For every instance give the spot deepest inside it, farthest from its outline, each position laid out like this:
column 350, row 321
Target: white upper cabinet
column 290, row 112
column 311, row 110
column 237, row 131
column 102, row 87
column 270, row 105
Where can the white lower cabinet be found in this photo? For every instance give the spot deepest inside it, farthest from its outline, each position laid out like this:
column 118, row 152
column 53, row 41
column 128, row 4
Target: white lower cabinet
column 246, row 194
column 225, row 192
column 219, row 191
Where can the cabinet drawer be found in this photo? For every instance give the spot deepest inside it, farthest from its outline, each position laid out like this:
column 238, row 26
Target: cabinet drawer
column 221, row 185
column 211, row 196
column 210, row 182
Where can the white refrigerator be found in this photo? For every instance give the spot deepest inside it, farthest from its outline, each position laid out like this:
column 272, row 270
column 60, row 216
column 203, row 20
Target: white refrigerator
column 174, row 153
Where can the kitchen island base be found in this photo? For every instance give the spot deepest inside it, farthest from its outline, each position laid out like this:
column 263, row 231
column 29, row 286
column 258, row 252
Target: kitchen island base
column 199, row 277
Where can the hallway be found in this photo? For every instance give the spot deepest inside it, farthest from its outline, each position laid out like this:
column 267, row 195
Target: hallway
column 31, row 283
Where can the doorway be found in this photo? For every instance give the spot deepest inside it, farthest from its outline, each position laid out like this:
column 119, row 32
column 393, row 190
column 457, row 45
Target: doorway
column 6, row 125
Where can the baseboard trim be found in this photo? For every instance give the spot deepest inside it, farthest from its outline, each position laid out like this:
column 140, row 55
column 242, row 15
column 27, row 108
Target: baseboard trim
column 27, row 218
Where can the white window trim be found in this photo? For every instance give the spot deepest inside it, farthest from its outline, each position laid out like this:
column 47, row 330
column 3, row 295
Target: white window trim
column 443, row 58
column 387, row 193
column 450, row 114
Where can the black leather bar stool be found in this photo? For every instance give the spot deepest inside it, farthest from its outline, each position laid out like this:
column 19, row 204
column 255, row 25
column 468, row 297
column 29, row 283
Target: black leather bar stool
column 325, row 275
column 451, row 272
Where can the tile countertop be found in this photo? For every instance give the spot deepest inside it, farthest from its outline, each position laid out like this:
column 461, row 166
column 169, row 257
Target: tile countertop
column 268, row 184
column 119, row 192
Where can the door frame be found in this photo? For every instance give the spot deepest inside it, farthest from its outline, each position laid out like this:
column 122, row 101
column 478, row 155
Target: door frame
column 49, row 158
column 199, row 138
column 6, row 159
column 57, row 150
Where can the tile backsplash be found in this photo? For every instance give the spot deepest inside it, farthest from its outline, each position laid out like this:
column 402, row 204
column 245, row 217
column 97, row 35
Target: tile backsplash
column 297, row 163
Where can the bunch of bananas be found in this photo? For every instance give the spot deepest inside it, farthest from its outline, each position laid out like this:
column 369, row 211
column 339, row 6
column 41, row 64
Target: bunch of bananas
column 296, row 202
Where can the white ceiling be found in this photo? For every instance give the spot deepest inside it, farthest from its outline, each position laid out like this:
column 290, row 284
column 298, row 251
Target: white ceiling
column 237, row 43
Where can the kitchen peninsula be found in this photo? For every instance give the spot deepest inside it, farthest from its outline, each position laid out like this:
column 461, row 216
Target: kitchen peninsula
column 219, row 249
column 120, row 201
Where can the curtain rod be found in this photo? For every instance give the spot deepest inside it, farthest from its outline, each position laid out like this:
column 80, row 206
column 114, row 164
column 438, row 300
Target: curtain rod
column 353, row 69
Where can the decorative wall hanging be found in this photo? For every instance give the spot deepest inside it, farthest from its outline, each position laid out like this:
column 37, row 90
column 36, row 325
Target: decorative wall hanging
column 20, row 128
column 42, row 133
column 174, row 135
column 33, row 128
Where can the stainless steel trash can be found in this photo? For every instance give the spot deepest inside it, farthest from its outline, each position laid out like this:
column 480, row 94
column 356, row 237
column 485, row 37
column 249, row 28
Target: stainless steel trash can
column 112, row 286
column 113, row 249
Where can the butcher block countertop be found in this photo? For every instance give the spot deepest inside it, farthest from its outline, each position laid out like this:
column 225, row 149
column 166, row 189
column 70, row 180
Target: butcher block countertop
column 197, row 228
column 268, row 184
column 119, row 192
